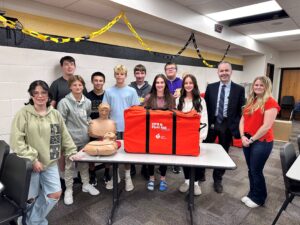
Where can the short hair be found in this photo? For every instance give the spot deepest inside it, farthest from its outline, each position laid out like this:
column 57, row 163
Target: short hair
column 224, row 62
column 140, row 68
column 98, row 74
column 76, row 78
column 44, row 86
column 171, row 63
column 68, row 59
column 104, row 105
column 120, row 69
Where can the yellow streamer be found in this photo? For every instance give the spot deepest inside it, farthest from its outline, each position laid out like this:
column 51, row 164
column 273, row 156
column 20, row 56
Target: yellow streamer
column 43, row 37
column 7, row 23
column 137, row 36
column 107, row 27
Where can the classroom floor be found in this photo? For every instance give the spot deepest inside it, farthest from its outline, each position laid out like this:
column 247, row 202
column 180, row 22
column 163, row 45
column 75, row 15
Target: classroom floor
column 141, row 207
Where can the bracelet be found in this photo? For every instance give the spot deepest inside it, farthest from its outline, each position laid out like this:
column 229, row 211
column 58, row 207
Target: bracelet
column 251, row 139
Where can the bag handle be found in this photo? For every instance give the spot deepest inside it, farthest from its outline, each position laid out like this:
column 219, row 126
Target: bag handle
column 148, row 132
column 204, row 125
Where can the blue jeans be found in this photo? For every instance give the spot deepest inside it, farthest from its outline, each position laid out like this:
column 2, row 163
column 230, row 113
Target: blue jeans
column 256, row 156
column 41, row 185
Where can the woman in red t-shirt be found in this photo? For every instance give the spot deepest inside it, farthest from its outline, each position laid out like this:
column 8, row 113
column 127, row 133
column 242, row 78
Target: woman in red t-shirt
column 256, row 132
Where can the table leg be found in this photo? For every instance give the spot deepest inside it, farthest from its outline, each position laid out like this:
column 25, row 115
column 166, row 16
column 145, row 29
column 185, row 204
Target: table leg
column 115, row 193
column 191, row 194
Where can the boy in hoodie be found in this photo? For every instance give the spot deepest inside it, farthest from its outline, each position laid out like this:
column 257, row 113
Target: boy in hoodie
column 142, row 88
column 75, row 109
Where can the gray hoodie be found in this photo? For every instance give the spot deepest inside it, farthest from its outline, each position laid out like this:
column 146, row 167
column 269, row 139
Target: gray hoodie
column 141, row 92
column 76, row 116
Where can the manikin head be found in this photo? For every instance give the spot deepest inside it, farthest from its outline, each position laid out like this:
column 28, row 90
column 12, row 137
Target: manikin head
column 104, row 110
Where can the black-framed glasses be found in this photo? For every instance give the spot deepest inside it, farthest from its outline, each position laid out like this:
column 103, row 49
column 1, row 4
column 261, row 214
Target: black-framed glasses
column 171, row 68
column 42, row 93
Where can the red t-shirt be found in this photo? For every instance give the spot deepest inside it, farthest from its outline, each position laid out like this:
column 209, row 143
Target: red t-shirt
column 252, row 122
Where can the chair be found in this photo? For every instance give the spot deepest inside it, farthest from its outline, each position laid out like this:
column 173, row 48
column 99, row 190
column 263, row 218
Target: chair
column 287, row 103
column 15, row 177
column 4, row 150
column 292, row 188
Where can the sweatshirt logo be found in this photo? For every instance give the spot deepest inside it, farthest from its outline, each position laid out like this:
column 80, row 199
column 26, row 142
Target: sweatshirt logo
column 55, row 141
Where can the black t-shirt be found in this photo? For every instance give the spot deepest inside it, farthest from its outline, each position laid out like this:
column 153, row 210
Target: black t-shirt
column 96, row 101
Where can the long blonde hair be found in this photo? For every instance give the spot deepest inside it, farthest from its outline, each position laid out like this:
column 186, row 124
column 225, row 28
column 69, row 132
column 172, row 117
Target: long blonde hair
column 255, row 102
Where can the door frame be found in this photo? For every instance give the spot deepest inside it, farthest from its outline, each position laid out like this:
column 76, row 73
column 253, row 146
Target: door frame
column 281, row 80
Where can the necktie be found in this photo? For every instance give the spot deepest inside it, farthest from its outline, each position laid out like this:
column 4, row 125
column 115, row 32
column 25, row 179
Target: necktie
column 221, row 105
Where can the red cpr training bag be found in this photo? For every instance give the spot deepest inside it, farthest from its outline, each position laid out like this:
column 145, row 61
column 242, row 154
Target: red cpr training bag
column 161, row 131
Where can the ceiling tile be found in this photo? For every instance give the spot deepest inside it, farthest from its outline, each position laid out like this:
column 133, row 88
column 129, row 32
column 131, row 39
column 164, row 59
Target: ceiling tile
column 267, row 26
column 92, row 8
column 241, row 3
column 57, row 3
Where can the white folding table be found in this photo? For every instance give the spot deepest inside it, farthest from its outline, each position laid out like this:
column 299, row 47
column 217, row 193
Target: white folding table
column 211, row 156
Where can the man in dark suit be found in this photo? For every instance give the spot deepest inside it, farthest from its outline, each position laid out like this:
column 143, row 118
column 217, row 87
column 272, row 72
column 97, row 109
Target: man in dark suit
column 224, row 101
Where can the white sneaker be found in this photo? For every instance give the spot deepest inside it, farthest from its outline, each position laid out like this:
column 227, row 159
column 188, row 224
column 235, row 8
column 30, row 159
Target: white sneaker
column 110, row 185
column 128, row 184
column 245, row 199
column 184, row 187
column 68, row 198
column 90, row 189
column 197, row 190
column 251, row 204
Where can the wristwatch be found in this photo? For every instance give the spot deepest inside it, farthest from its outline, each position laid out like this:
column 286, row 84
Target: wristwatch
column 251, row 139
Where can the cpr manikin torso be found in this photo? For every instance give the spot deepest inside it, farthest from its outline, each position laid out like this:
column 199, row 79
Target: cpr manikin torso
column 107, row 146
column 103, row 129
column 98, row 127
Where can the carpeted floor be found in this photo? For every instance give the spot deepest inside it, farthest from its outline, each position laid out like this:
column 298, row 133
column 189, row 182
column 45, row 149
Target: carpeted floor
column 170, row 208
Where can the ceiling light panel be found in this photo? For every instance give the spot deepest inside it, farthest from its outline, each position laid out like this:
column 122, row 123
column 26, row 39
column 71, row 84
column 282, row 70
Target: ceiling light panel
column 251, row 10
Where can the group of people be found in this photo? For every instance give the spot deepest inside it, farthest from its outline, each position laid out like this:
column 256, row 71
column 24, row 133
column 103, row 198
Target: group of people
column 51, row 138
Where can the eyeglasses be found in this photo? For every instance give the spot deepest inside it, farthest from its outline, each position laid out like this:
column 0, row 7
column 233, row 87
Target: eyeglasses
column 43, row 94
column 171, row 68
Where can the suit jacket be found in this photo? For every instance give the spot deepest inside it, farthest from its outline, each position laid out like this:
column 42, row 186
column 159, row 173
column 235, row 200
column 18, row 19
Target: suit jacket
column 235, row 103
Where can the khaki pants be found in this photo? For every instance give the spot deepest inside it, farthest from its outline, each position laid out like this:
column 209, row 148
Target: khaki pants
column 83, row 168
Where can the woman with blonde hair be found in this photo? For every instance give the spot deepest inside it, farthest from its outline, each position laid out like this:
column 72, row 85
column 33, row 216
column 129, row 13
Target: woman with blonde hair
column 256, row 131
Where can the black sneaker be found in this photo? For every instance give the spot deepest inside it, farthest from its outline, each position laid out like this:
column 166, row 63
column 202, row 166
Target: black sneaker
column 144, row 172
column 218, row 187
column 93, row 179
column 132, row 170
column 106, row 178
column 176, row 169
column 202, row 178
